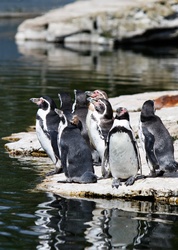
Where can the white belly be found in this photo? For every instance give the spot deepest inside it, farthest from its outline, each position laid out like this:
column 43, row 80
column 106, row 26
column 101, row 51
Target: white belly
column 96, row 139
column 122, row 158
column 45, row 143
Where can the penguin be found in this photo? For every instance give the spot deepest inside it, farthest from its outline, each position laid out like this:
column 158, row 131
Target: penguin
column 157, row 142
column 101, row 123
column 96, row 94
column 66, row 104
column 75, row 154
column 80, row 108
column 47, row 122
column 121, row 151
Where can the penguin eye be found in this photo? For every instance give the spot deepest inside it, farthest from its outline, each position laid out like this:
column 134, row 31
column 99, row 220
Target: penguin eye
column 44, row 104
column 100, row 107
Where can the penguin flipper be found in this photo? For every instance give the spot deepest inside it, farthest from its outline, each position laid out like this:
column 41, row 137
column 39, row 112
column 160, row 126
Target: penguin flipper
column 149, row 148
column 53, row 136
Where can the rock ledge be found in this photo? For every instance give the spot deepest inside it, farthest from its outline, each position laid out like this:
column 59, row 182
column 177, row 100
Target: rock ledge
column 25, row 145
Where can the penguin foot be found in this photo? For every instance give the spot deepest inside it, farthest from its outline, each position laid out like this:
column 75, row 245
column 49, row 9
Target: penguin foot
column 160, row 173
column 156, row 174
column 65, row 181
column 51, row 173
column 116, row 183
column 139, row 177
column 130, row 181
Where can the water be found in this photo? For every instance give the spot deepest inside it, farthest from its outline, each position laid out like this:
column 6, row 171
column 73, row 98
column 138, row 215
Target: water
column 34, row 6
column 38, row 220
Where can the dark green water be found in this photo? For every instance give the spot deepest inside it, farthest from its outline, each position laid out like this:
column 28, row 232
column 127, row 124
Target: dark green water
column 37, row 220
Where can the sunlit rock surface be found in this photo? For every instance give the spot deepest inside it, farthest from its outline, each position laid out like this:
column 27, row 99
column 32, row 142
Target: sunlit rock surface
column 105, row 22
column 25, row 146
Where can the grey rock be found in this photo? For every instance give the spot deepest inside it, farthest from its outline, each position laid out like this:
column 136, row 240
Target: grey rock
column 105, row 22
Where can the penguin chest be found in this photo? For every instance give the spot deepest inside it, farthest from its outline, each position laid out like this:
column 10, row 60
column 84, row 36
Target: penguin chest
column 122, row 156
column 96, row 138
column 45, row 141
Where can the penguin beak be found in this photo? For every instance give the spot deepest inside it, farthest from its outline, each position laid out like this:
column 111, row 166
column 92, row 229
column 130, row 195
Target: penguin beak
column 92, row 100
column 36, row 100
column 88, row 93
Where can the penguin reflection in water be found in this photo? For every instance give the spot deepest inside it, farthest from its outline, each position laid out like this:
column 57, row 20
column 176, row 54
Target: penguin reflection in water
column 157, row 142
column 121, row 152
column 47, row 122
column 75, row 154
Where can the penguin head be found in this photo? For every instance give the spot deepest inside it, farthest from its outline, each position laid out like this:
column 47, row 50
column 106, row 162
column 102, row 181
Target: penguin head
column 44, row 103
column 103, row 107
column 122, row 114
column 148, row 108
column 64, row 122
column 147, row 111
column 97, row 94
column 60, row 113
column 65, row 100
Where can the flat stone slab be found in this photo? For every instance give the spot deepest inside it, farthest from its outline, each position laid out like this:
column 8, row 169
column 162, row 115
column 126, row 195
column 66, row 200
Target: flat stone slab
column 161, row 189
column 25, row 145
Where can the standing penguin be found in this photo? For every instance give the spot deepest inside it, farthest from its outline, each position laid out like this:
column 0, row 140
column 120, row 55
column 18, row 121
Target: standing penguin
column 157, row 142
column 96, row 94
column 47, row 122
column 75, row 154
column 121, row 152
column 101, row 122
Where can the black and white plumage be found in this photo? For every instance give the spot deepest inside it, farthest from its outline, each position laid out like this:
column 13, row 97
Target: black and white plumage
column 121, row 152
column 66, row 104
column 96, row 94
column 157, row 142
column 75, row 154
column 101, row 122
column 47, row 122
column 80, row 108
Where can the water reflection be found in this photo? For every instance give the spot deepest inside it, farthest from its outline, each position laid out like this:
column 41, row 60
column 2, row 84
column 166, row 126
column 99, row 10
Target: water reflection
column 104, row 224
column 37, row 69
column 139, row 68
